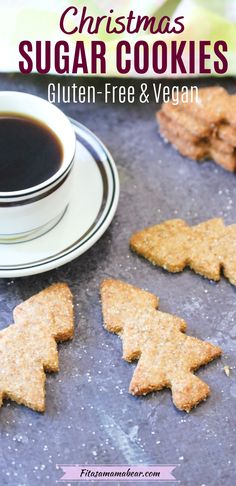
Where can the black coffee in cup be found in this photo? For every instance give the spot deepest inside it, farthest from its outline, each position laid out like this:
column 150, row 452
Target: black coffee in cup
column 30, row 152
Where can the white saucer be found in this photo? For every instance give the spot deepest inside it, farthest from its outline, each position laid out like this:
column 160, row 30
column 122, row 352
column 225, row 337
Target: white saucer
column 94, row 200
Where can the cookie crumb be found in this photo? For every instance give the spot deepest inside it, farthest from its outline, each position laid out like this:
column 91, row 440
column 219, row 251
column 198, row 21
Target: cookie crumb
column 227, row 370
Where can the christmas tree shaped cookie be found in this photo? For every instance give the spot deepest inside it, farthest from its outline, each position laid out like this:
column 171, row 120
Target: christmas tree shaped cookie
column 28, row 347
column 167, row 357
column 208, row 248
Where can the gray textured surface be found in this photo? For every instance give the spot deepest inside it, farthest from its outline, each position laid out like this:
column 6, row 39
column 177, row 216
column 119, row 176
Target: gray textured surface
column 90, row 417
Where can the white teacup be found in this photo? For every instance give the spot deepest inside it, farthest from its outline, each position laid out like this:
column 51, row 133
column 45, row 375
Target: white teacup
column 30, row 212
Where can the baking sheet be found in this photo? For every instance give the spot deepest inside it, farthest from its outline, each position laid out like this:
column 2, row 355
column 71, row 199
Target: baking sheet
column 90, row 417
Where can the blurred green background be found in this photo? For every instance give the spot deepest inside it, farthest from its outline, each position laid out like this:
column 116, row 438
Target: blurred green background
column 32, row 20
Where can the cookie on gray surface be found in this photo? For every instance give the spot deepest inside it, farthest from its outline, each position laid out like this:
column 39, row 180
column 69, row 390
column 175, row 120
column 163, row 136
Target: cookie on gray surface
column 167, row 357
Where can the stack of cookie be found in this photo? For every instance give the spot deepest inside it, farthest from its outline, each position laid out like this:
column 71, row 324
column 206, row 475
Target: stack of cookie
column 204, row 128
